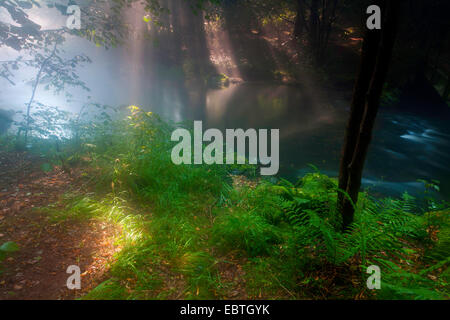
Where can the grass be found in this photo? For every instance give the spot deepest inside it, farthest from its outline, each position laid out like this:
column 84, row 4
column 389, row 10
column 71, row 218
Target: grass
column 185, row 229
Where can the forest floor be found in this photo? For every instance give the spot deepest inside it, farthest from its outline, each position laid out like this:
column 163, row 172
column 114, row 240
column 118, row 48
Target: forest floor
column 46, row 249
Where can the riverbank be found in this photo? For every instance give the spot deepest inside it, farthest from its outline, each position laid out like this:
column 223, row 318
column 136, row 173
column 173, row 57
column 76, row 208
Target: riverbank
column 197, row 232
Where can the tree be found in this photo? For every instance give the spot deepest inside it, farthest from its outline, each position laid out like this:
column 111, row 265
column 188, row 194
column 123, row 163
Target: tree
column 5, row 120
column 56, row 73
column 321, row 20
column 376, row 55
column 27, row 38
column 300, row 22
column 314, row 22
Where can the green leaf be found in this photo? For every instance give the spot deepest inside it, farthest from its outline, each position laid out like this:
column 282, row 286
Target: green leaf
column 46, row 167
column 9, row 247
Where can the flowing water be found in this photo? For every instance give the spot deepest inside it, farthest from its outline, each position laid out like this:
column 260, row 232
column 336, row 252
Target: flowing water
column 405, row 147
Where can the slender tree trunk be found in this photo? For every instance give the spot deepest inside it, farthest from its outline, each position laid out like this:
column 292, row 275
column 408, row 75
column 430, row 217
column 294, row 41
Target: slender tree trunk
column 77, row 125
column 299, row 20
column 38, row 78
column 353, row 171
column 328, row 28
column 322, row 23
column 314, row 23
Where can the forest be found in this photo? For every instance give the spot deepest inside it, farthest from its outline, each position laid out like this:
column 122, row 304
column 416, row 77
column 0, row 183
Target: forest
column 224, row 150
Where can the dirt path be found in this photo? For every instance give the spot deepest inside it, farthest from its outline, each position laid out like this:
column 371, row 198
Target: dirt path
column 38, row 269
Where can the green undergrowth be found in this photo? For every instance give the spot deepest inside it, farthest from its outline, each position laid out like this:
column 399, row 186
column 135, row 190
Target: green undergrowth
column 180, row 223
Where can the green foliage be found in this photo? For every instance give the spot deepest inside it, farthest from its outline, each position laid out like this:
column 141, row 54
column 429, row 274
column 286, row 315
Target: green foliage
column 8, row 248
column 108, row 290
column 386, row 232
column 218, row 81
column 245, row 230
column 179, row 222
column 390, row 96
column 46, row 167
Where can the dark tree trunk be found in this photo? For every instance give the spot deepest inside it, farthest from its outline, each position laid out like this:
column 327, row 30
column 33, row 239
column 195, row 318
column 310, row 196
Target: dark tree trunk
column 327, row 29
column 321, row 18
column 314, row 23
column 360, row 126
column 367, row 65
column 299, row 19
column 369, row 53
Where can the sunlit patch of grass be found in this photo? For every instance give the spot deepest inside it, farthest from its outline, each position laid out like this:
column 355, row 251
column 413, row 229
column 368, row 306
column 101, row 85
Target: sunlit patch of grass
column 183, row 242
column 157, row 249
column 112, row 209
